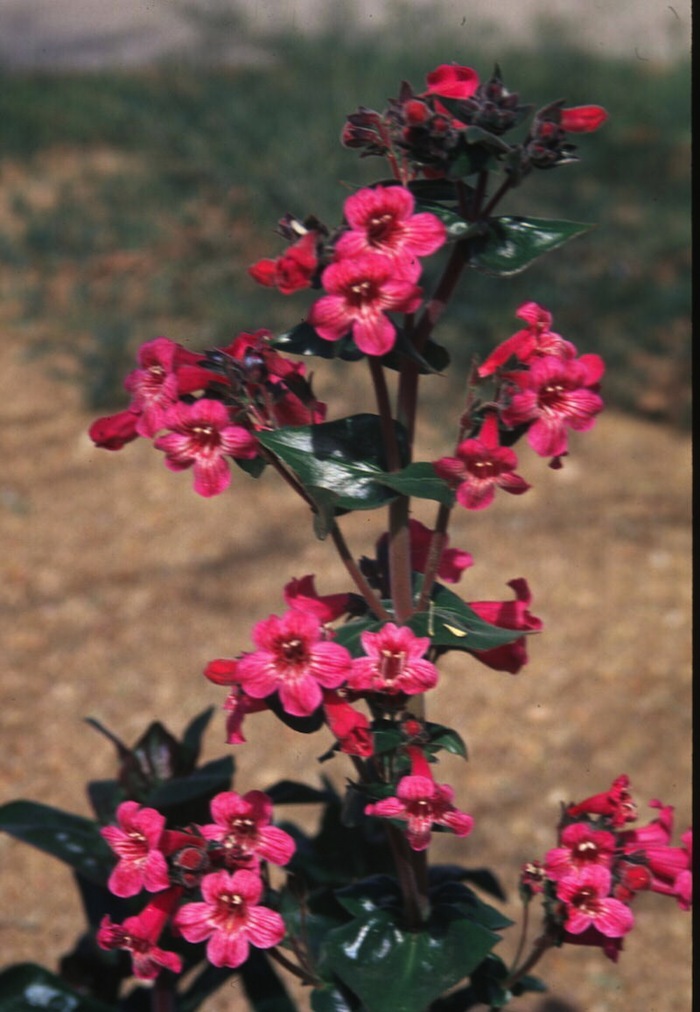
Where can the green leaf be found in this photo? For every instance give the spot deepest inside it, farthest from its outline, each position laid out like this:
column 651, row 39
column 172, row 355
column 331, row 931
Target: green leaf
column 192, row 738
column 452, row 624
column 71, row 838
column 304, row 340
column 199, row 786
column 27, row 986
column 513, row 243
column 292, row 792
column 420, row 480
column 394, row 970
column 446, row 738
column 330, row 998
column 349, row 635
column 345, row 457
column 457, row 227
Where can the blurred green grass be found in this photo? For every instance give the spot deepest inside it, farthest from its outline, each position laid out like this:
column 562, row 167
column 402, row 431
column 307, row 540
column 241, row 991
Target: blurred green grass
column 135, row 202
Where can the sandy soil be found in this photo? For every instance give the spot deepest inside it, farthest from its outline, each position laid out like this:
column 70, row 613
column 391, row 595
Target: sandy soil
column 119, row 584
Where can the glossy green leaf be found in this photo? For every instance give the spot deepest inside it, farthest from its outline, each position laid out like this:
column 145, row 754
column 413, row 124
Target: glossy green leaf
column 200, row 785
column 420, row 480
column 452, row 624
column 394, row 970
column 27, row 986
column 457, row 227
column 447, row 739
column 344, row 457
column 292, row 792
column 304, row 340
column 192, row 738
column 513, row 243
column 71, row 838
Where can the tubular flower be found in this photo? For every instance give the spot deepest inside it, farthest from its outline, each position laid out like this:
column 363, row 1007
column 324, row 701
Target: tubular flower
column 581, row 847
column 361, row 291
column 552, row 395
column 242, row 828
column 616, row 803
column 451, row 81
column 300, row 594
column 480, row 466
column 114, row 431
column 138, row 936
column 230, row 918
column 515, row 614
column 453, row 561
column 381, row 220
column 293, row 659
column 393, row 663
column 422, row 804
column 136, row 842
column 350, row 727
column 582, row 119
column 292, row 271
column 533, row 341
column 589, row 903
column 202, row 436
column 669, row 867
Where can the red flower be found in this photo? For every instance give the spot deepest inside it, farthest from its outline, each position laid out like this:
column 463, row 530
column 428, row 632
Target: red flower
column 156, row 386
column 293, row 659
column 422, row 803
column 349, row 727
column 582, row 119
column 136, row 841
column 301, row 595
column 361, row 290
column 453, row 561
column 535, row 340
column 242, row 828
column 589, row 903
column 230, row 918
column 669, row 867
column 202, row 436
column 480, row 466
column 381, row 220
column 615, row 803
column 555, row 394
column 510, row 657
column 138, row 935
column 293, row 270
column 581, row 847
column 451, row 81
column 394, row 662
column 114, row 431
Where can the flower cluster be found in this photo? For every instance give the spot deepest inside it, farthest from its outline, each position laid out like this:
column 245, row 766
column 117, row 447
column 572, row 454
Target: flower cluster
column 222, row 861
column 207, row 407
column 546, row 390
column 590, row 879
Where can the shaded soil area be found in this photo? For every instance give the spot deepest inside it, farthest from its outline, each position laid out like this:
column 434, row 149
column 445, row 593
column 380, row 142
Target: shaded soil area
column 119, row 584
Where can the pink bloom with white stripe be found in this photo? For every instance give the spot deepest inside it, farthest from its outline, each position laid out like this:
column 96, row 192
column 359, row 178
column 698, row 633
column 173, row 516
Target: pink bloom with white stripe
column 136, row 842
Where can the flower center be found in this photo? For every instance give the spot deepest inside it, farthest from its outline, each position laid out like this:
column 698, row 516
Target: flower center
column 551, row 394
column 362, row 292
column 206, row 436
column 391, row 666
column 586, row 850
column 293, row 652
column 379, row 228
column 586, row 899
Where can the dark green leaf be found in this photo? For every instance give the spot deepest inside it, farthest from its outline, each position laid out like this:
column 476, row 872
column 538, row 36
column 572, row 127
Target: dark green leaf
column 263, row 988
column 446, row 738
column 374, row 950
column 420, row 480
column 457, row 227
column 483, row 878
column 513, row 243
column 303, row 340
column 71, row 838
column 378, row 892
column 192, row 738
column 254, row 467
column 197, row 789
column 345, row 457
column 26, row 986
column 349, row 635
column 452, row 624
column 332, row 998
column 290, row 792
column 433, row 359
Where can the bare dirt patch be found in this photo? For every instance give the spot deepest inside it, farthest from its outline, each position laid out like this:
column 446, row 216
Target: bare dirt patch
column 119, row 584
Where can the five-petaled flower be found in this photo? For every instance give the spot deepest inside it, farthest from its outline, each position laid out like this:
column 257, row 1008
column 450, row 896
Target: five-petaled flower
column 242, row 829
column 394, row 662
column 293, row 659
column 581, row 846
column 202, row 436
column 361, row 290
column 480, row 466
column 586, row 894
column 230, row 918
column 136, row 841
column 422, row 804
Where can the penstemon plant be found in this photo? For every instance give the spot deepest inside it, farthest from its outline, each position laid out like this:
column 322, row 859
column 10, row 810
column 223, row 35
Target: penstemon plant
column 187, row 881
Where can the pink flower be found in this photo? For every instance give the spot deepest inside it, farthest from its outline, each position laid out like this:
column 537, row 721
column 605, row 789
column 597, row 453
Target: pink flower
column 136, row 842
column 138, row 935
column 114, row 431
column 581, row 847
column 242, row 828
column 202, row 436
column 480, row 466
column 589, row 904
column 381, row 220
column 552, row 395
column 349, row 727
column 515, row 614
column 156, row 385
column 361, row 291
column 293, row 270
column 535, row 340
column 295, row 660
column 393, row 662
column 615, row 803
column 669, row 867
column 452, row 81
column 230, row 918
column 422, row 803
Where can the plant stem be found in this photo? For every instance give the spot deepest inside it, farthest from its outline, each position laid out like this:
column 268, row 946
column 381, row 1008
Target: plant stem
column 437, row 546
column 304, row 975
column 162, row 996
column 412, row 876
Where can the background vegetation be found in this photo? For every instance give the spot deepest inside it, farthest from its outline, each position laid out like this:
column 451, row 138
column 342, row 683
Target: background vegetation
column 130, row 205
